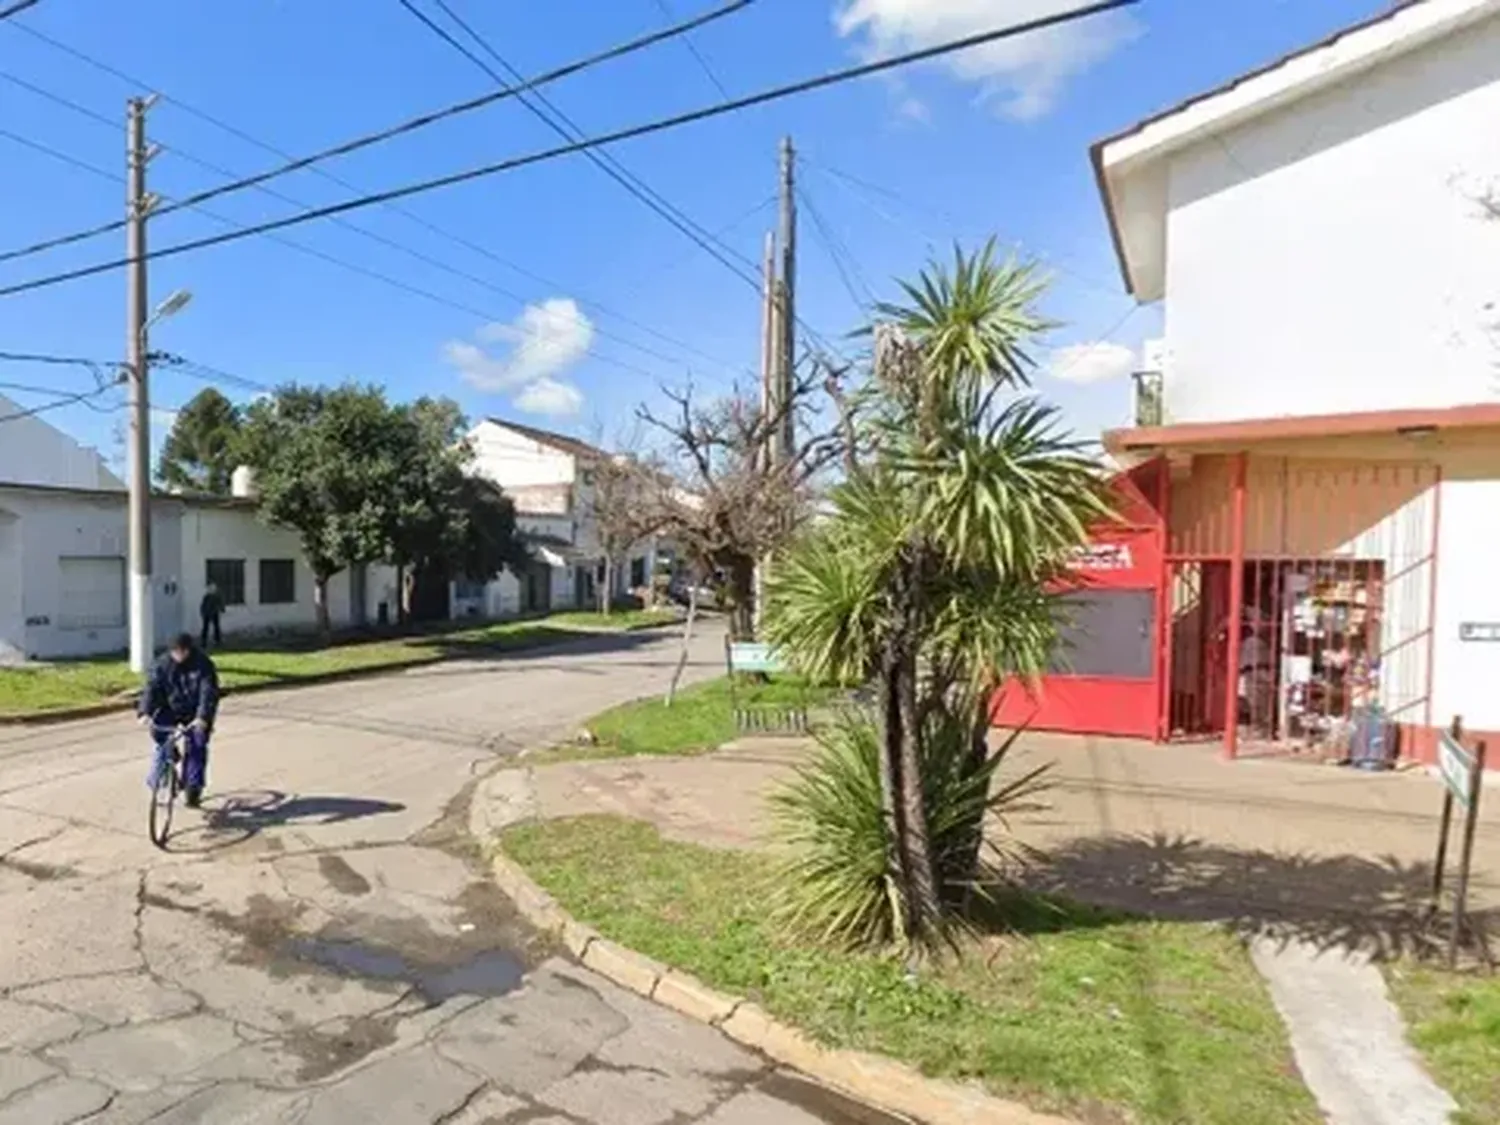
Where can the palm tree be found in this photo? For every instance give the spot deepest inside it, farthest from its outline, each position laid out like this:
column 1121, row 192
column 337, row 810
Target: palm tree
column 934, row 577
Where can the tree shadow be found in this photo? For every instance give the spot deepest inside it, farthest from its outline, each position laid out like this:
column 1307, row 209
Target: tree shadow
column 237, row 816
column 1375, row 905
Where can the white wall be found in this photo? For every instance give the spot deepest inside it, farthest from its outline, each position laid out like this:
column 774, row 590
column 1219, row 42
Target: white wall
column 35, row 452
column 511, row 460
column 1466, row 675
column 45, row 526
column 53, row 525
column 1330, row 257
column 12, row 620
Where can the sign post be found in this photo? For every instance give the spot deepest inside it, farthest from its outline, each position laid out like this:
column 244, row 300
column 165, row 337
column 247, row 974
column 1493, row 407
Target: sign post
column 1462, row 775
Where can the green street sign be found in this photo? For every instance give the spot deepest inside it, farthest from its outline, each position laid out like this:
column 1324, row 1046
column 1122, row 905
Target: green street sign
column 1457, row 766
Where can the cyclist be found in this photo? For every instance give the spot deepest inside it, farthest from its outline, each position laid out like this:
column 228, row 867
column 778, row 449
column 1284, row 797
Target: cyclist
column 183, row 689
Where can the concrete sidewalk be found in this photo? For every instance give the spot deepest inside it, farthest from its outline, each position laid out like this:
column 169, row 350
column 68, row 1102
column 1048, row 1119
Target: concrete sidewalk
column 1328, row 855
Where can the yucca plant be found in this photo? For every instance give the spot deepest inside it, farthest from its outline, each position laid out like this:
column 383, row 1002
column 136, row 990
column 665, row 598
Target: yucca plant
column 837, row 884
column 934, row 580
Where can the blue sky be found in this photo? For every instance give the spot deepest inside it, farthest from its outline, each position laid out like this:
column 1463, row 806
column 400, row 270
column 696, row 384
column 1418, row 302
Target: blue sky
column 609, row 300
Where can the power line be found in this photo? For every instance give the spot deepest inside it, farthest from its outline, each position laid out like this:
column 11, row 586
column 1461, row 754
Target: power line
column 855, row 186
column 414, row 123
column 571, row 131
column 64, row 400
column 778, row 93
column 17, row 8
column 386, row 279
column 568, row 129
column 412, row 216
column 687, row 41
column 838, row 252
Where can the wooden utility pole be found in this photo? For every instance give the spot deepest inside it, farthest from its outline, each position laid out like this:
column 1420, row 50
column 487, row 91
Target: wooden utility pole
column 786, row 437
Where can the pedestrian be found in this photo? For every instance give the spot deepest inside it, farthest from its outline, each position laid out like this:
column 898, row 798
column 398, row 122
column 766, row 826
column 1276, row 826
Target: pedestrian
column 211, row 610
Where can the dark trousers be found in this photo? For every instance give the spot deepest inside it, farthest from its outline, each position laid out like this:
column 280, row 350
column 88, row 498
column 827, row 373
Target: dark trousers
column 195, row 764
column 212, row 623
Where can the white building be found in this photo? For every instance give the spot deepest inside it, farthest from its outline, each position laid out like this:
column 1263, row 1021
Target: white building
column 63, row 537
column 550, row 477
column 1320, row 438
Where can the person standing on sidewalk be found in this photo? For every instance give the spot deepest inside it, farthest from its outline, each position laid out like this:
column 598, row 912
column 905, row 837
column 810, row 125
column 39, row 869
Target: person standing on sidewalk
column 211, row 611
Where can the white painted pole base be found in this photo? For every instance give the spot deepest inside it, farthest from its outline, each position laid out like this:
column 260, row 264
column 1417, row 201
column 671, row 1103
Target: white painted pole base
column 142, row 634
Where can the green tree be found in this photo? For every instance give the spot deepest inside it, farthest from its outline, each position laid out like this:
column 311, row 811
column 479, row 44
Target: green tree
column 484, row 539
column 443, row 519
column 931, row 579
column 328, row 465
column 200, row 452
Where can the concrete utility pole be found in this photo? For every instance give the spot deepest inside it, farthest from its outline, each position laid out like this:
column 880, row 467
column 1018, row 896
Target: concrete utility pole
column 786, row 376
column 770, row 338
column 137, row 206
column 770, row 367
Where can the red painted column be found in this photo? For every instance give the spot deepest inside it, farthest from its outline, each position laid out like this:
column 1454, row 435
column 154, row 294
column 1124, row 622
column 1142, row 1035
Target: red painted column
column 1236, row 606
column 1163, row 664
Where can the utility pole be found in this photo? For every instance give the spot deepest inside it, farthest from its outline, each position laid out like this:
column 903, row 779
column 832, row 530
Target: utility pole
column 770, row 341
column 786, row 376
column 137, row 206
column 770, row 368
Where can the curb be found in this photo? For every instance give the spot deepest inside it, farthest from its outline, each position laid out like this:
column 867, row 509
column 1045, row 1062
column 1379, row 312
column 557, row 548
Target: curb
column 883, row 1083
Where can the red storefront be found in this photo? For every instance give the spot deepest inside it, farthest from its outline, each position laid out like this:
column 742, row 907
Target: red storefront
column 1108, row 674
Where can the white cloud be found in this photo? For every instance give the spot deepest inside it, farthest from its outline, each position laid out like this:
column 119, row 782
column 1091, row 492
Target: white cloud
column 1020, row 76
column 547, row 339
column 551, row 398
column 1091, row 363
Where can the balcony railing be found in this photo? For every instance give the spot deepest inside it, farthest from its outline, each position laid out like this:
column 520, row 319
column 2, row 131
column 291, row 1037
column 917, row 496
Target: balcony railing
column 1148, row 398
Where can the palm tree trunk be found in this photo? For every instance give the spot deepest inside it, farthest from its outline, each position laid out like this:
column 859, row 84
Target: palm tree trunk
column 922, row 890
column 903, row 752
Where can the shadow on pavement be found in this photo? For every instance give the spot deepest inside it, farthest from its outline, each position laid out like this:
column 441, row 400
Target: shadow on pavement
column 1374, row 904
column 235, row 817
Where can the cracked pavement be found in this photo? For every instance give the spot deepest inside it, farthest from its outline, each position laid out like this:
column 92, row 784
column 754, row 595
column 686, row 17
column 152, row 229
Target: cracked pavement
column 320, row 944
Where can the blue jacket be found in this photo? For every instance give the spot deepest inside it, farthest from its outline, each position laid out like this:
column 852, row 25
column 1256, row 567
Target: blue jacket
column 185, row 691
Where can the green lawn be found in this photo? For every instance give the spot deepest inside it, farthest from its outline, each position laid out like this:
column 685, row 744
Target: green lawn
column 700, row 718
column 1114, row 1020
column 616, row 621
column 51, row 687
column 1454, row 1021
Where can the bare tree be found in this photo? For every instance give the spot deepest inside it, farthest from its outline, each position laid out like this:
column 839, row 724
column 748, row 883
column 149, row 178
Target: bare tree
column 721, row 497
column 625, row 510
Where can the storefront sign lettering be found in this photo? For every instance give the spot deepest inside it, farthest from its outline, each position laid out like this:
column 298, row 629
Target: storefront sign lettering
column 1105, row 556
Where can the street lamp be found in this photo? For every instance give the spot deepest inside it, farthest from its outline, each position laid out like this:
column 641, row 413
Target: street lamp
column 142, row 631
column 173, row 305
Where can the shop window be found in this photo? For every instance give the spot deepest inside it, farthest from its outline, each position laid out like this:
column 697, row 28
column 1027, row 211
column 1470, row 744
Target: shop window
column 229, row 576
column 1105, row 633
column 278, row 582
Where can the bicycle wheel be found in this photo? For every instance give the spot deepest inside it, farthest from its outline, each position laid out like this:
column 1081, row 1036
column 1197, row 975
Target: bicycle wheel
column 163, row 797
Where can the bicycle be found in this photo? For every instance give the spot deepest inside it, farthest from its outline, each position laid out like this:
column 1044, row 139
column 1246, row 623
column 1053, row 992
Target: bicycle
column 168, row 781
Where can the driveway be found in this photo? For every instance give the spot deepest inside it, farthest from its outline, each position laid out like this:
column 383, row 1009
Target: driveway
column 321, row 944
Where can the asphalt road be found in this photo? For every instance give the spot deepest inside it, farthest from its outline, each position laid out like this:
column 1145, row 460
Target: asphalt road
column 320, row 944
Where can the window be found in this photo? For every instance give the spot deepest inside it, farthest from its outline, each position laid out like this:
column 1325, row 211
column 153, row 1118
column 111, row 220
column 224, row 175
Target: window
column 91, row 593
column 1105, row 633
column 468, row 590
column 637, row 573
column 278, row 582
column 229, row 576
